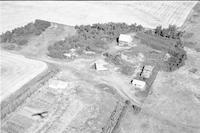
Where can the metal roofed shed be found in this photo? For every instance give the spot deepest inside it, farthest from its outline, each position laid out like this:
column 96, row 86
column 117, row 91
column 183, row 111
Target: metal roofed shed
column 138, row 84
column 124, row 40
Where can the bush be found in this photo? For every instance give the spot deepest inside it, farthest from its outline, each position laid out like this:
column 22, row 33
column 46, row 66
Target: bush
column 22, row 42
column 170, row 32
column 9, row 46
column 176, row 60
column 41, row 25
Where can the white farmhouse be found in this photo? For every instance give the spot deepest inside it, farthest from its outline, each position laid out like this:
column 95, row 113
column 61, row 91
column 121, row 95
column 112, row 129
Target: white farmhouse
column 139, row 84
column 125, row 40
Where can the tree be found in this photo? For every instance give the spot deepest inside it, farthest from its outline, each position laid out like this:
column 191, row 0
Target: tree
column 158, row 30
column 6, row 37
column 172, row 31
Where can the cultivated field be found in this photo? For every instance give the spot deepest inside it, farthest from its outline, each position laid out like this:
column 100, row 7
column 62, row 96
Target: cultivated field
column 16, row 70
column 192, row 28
column 148, row 14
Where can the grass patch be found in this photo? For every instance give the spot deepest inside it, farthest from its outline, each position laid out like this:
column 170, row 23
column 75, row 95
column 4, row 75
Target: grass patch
column 58, row 49
column 166, row 45
column 156, row 42
column 126, row 68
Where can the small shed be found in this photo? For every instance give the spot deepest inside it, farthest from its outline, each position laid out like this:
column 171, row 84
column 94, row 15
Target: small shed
column 100, row 65
column 138, row 84
column 124, row 40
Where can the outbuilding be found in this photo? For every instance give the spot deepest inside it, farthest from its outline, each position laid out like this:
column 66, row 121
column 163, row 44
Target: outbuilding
column 147, row 71
column 124, row 40
column 100, row 65
column 138, row 84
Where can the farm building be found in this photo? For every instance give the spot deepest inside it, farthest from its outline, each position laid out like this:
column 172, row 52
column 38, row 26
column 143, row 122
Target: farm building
column 138, row 84
column 100, row 65
column 124, row 40
column 147, row 71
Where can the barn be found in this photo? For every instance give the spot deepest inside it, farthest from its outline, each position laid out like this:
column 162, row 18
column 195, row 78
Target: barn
column 124, row 40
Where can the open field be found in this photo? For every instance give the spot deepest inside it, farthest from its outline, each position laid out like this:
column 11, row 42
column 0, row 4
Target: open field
column 16, row 70
column 148, row 14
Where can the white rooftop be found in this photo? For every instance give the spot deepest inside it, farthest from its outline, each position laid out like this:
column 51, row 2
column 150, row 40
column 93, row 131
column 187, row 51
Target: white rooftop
column 125, row 38
column 139, row 84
